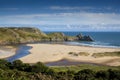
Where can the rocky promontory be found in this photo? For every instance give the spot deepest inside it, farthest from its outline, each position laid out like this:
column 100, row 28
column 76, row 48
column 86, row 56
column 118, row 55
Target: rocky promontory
column 80, row 37
column 16, row 35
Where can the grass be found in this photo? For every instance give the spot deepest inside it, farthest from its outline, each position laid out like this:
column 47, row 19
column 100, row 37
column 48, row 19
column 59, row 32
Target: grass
column 83, row 53
column 20, row 35
column 78, row 54
column 77, row 68
column 97, row 55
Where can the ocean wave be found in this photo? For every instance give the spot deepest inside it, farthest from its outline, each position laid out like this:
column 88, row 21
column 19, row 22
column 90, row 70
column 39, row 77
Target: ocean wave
column 94, row 44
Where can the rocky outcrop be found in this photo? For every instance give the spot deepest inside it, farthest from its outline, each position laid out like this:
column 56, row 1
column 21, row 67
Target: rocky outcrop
column 80, row 37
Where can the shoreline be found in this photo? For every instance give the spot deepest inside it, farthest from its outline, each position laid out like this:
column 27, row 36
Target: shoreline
column 62, row 43
column 55, row 52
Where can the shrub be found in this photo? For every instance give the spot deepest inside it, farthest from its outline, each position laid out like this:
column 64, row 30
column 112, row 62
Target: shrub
column 39, row 67
column 85, row 74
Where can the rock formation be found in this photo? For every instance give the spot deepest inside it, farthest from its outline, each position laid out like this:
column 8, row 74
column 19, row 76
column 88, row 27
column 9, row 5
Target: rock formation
column 80, row 37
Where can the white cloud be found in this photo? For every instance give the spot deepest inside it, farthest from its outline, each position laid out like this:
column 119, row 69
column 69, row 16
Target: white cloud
column 63, row 18
column 81, row 8
column 70, row 8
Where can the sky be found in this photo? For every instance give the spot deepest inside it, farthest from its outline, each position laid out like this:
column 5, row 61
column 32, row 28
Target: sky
column 62, row 15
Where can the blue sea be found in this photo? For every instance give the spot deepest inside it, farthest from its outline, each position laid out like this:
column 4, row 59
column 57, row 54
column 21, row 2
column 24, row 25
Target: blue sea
column 101, row 39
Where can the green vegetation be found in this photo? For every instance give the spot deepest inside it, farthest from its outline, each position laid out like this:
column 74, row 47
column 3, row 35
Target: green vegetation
column 15, row 35
column 58, row 36
column 73, row 53
column 77, row 54
column 18, row 70
column 83, row 53
column 97, row 55
column 80, row 67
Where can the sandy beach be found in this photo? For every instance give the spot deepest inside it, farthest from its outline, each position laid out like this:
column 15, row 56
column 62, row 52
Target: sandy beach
column 55, row 52
column 9, row 51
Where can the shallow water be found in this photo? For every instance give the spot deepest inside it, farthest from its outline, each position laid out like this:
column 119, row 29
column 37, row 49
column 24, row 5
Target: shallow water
column 22, row 51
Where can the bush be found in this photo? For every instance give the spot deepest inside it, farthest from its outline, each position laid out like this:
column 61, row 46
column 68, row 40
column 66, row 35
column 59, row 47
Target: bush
column 22, row 71
column 4, row 64
column 114, row 74
column 85, row 74
column 39, row 67
column 17, row 64
column 102, row 75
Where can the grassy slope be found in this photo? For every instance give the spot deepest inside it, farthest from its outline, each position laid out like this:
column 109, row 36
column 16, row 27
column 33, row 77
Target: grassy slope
column 12, row 35
column 77, row 68
column 106, row 54
column 20, row 35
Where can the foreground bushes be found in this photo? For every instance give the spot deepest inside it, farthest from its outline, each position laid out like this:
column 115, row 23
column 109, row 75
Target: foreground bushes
column 18, row 70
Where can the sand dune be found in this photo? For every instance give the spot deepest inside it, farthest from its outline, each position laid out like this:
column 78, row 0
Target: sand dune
column 54, row 52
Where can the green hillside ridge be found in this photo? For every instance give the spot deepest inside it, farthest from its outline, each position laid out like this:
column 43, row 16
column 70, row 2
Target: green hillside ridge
column 58, row 36
column 16, row 35
column 20, row 35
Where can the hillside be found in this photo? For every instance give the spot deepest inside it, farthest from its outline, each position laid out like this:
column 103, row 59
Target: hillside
column 14, row 35
column 18, row 70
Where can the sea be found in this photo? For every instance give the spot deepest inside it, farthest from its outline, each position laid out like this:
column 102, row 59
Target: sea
column 101, row 39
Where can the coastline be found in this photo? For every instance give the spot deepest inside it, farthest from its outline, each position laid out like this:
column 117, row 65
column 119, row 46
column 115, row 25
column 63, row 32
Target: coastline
column 54, row 52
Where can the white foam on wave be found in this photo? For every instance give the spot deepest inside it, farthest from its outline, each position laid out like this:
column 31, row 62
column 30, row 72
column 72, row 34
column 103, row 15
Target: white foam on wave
column 93, row 44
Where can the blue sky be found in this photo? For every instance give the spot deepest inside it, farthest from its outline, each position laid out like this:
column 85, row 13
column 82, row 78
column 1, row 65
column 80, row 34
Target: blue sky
column 62, row 15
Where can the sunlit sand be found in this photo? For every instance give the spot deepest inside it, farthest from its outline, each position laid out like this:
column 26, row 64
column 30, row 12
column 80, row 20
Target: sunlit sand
column 55, row 52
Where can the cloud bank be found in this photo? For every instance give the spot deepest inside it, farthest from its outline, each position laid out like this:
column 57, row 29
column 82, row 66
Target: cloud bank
column 63, row 18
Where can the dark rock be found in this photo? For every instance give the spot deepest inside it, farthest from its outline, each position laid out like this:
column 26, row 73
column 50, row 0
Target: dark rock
column 80, row 37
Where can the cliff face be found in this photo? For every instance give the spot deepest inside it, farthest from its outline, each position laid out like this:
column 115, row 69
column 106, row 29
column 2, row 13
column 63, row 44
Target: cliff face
column 20, row 35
